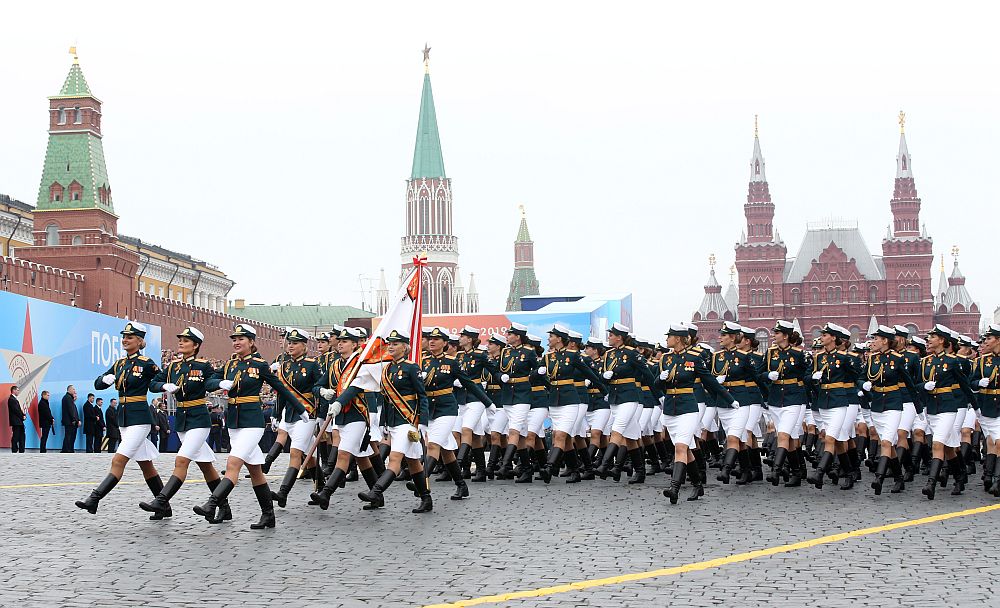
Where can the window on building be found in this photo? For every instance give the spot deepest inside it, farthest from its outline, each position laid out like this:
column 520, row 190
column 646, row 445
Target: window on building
column 768, row 297
column 764, row 337
column 78, row 240
column 62, row 116
column 753, row 297
column 425, row 216
column 855, row 333
column 142, row 286
column 51, row 235
column 815, row 295
column 873, row 294
column 852, row 294
column 77, row 115
column 796, row 297
column 161, row 292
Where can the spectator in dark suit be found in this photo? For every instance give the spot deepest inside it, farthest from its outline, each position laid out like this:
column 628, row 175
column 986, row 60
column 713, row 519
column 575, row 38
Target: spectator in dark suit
column 99, row 422
column 45, row 421
column 16, row 415
column 154, row 429
column 215, row 434
column 114, row 433
column 70, row 419
column 163, row 422
column 90, row 425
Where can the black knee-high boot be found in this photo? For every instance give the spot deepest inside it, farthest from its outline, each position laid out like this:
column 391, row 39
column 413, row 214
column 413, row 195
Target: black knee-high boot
column 218, row 497
column 383, row 450
column 322, row 498
column 696, row 475
column 331, row 459
column 815, row 476
column 727, row 465
column 847, row 469
column 780, row 454
column 898, row 479
column 464, row 457
column 965, row 449
column 638, row 466
column 880, row 472
column 429, row 464
column 508, row 458
column 989, row 464
column 795, row 464
column 746, row 468
column 424, row 492
column 653, row 458
column 572, row 459
column 224, row 511
column 932, row 478
column 526, row 472
column 906, row 462
column 479, row 459
column 621, row 455
column 160, row 506
column 461, row 488
column 995, row 488
column 608, row 461
column 676, row 479
column 661, row 453
column 373, row 495
column 281, row 496
column 377, row 463
column 494, row 461
column 854, row 462
column 957, row 468
column 102, row 489
column 272, row 455
column 552, row 464
column 263, row 494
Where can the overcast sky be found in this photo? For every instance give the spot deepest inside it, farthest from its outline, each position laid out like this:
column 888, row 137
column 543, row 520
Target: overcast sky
column 275, row 142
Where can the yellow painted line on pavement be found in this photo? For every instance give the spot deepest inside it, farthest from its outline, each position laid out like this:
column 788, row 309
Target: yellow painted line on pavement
column 708, row 564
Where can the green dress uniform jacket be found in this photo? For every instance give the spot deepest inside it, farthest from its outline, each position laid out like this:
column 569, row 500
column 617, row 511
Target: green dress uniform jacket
column 563, row 369
column 539, row 390
column 683, row 370
column 248, row 374
column 913, row 394
column 299, row 375
column 473, row 363
column 836, row 380
column 706, row 356
column 718, row 365
column 324, row 361
column 743, row 371
column 628, row 370
column 353, row 400
column 650, row 396
column 518, row 363
column 988, row 398
column 494, row 390
column 596, row 393
column 856, row 370
column 793, row 370
column 403, row 395
column 190, row 376
column 951, row 383
column 890, row 382
column 440, row 374
column 967, row 365
column 133, row 375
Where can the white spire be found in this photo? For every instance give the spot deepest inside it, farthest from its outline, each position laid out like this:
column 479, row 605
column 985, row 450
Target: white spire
column 873, row 326
column 757, row 162
column 903, row 165
column 382, row 295
column 381, row 280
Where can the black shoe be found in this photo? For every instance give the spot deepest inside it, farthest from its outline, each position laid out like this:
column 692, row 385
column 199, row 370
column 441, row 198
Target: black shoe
column 219, row 494
column 281, row 496
column 932, row 479
column 588, row 475
column 697, row 478
column 880, row 472
column 102, row 489
column 676, row 479
column 638, row 467
column 461, row 491
column 322, row 498
column 794, row 481
column 223, row 513
column 426, row 504
column 263, row 494
column 525, row 477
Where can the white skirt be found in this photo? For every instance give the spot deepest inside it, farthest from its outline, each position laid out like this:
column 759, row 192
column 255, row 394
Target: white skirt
column 734, row 420
column 646, row 422
column 600, row 421
column 472, row 418
column 788, row 419
column 657, row 420
column 302, row 433
column 582, row 429
column 683, row 428
column 136, row 444
column 400, row 443
column 626, row 419
column 376, row 433
column 245, row 444
column 194, row 445
column 991, row 427
column 970, row 419
column 498, row 420
column 906, row 419
column 942, row 426
column 808, row 417
column 563, row 418
column 710, row 419
column 832, row 421
column 458, row 419
column 351, row 436
column 849, row 427
column 753, row 417
column 440, row 432
column 887, row 425
column 536, row 420
column 517, row 417
column 920, row 421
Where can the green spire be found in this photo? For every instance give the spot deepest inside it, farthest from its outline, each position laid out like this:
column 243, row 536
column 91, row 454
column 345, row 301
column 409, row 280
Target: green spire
column 522, row 232
column 427, row 158
column 75, row 85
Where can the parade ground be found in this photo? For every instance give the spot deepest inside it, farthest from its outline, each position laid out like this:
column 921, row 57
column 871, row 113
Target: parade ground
column 590, row 544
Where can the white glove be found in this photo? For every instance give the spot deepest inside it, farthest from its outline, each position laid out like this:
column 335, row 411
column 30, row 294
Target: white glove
column 542, row 371
column 586, row 382
column 457, row 384
column 483, row 383
column 772, row 376
column 984, row 382
column 226, row 385
column 327, row 393
column 493, row 407
column 108, row 379
column 304, row 416
column 817, row 375
column 423, row 375
column 720, row 379
column 867, row 387
column 274, row 421
column 664, row 374
column 170, row 387
column 335, row 408
column 504, row 378
column 734, row 404
column 929, row 386
column 861, row 393
column 608, row 374
column 606, row 399
column 275, row 366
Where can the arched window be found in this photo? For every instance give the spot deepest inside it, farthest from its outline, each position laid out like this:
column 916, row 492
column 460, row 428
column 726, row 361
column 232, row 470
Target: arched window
column 815, row 295
column 855, row 333
column 768, row 297
column 51, row 235
column 830, row 295
column 764, row 337
column 753, row 297
column 838, row 295
column 77, row 115
column 78, row 240
column 425, row 215
column 916, row 293
column 853, row 294
column 62, row 116
column 796, row 297
column 873, row 294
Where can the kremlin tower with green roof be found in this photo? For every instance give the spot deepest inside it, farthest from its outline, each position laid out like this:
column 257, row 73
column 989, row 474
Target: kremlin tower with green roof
column 524, row 281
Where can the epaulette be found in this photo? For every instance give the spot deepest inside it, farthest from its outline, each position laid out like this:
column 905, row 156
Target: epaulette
column 629, row 348
column 797, row 349
column 143, row 358
column 772, row 347
column 310, row 359
column 201, row 360
column 926, row 358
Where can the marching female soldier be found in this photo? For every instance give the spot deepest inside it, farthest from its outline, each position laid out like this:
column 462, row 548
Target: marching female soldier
column 986, row 378
column 472, row 362
column 736, row 370
column 131, row 375
column 947, row 389
column 243, row 376
column 441, row 371
column 349, row 409
column 649, row 400
column 787, row 368
column 581, row 430
column 598, row 408
column 299, row 374
column 281, row 440
column 533, row 455
column 560, row 366
column 516, row 364
column 885, row 379
column 834, row 378
column 404, row 405
column 186, row 380
column 624, row 370
column 910, row 400
column 678, row 370
column 495, row 389
column 755, row 394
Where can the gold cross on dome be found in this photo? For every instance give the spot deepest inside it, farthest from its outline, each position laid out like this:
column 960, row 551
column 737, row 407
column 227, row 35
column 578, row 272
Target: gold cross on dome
column 711, row 262
column 954, row 252
column 902, row 121
column 521, row 208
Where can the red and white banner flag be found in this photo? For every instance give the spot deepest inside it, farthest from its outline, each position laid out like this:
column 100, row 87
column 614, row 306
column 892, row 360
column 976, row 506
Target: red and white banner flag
column 404, row 316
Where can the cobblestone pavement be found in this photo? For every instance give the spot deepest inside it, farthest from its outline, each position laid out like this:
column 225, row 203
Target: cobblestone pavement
column 504, row 538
